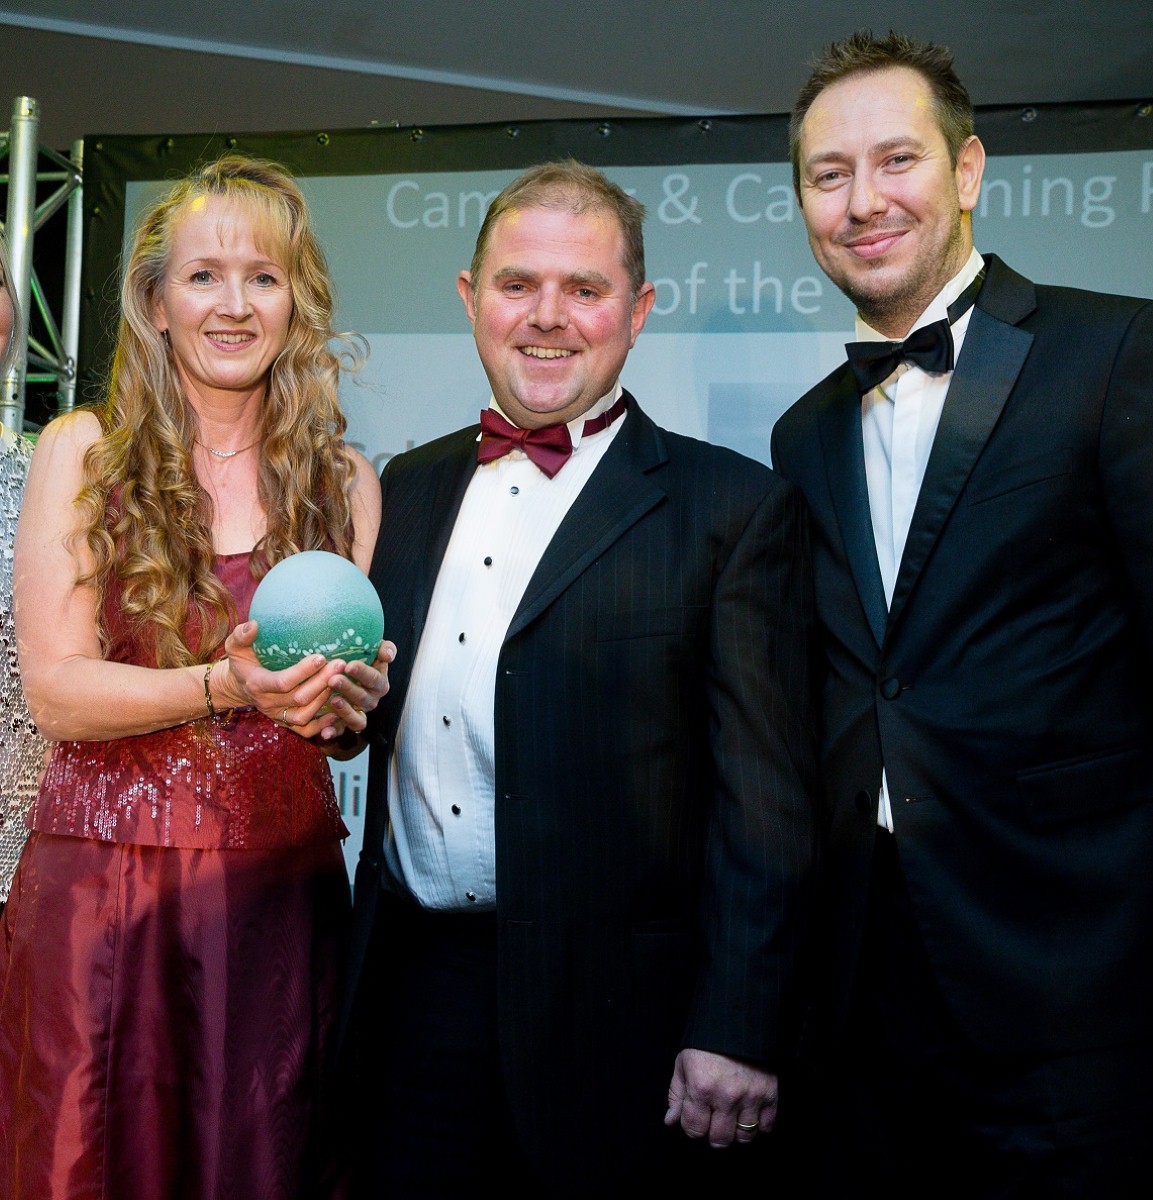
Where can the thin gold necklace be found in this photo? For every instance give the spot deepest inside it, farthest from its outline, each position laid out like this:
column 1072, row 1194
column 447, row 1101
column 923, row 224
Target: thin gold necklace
column 227, row 453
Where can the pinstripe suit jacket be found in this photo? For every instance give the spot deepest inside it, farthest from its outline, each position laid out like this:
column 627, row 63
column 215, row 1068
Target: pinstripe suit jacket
column 655, row 763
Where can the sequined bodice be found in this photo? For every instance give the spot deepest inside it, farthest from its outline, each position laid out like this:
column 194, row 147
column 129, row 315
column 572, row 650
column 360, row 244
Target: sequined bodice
column 239, row 782
column 21, row 747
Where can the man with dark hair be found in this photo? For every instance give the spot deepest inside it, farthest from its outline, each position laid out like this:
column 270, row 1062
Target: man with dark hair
column 590, row 825
column 980, row 476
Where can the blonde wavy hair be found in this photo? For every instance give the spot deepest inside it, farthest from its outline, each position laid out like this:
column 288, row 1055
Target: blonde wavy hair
column 145, row 518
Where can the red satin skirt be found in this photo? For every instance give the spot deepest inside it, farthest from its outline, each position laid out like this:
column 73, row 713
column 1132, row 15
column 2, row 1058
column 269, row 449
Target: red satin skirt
column 164, row 1022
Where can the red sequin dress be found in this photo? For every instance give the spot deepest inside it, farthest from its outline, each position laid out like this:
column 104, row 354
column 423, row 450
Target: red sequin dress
column 170, row 963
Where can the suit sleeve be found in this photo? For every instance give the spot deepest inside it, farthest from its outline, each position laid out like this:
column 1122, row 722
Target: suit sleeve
column 760, row 853
column 1126, row 465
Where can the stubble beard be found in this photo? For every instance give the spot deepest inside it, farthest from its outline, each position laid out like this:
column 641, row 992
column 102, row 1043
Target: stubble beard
column 894, row 306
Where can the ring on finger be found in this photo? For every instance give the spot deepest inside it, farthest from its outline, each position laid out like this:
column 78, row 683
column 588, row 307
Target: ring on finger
column 284, row 719
column 749, row 1128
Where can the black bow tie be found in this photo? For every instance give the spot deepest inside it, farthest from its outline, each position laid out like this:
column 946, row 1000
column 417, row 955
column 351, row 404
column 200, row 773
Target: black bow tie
column 930, row 347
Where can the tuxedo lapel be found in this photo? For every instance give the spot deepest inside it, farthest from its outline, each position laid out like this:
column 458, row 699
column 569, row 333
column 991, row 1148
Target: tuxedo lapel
column 990, row 361
column 617, row 495
column 845, row 462
column 412, row 548
column 445, row 499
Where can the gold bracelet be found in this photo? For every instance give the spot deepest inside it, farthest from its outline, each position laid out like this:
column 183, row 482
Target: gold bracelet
column 208, row 692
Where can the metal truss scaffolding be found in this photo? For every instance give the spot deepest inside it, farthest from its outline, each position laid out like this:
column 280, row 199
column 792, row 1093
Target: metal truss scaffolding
column 54, row 358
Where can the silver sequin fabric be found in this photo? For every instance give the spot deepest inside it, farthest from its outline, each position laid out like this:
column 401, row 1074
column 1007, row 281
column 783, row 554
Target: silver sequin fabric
column 21, row 746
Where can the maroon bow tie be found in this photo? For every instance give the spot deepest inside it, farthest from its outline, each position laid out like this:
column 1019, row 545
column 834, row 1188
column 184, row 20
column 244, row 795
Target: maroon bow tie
column 549, row 447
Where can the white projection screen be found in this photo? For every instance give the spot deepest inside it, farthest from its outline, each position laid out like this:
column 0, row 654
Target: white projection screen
column 744, row 321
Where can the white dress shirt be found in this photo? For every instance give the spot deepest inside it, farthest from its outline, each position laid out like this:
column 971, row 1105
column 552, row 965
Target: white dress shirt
column 899, row 420
column 442, row 778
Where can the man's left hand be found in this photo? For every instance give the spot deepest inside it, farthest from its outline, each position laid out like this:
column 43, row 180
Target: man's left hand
column 724, row 1099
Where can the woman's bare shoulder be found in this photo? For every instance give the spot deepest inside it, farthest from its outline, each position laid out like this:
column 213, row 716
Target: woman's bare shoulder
column 71, row 431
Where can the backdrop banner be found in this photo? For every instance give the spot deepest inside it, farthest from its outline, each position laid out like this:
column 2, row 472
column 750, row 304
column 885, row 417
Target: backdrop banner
column 744, row 321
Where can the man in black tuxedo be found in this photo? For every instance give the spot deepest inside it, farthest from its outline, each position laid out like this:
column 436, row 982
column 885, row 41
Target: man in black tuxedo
column 983, row 550
column 591, row 787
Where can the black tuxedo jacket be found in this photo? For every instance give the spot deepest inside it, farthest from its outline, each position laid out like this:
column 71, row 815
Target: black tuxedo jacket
column 1008, row 691
column 655, row 766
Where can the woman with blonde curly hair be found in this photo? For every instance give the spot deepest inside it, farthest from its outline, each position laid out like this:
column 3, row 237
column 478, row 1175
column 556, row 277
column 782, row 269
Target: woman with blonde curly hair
column 170, row 956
